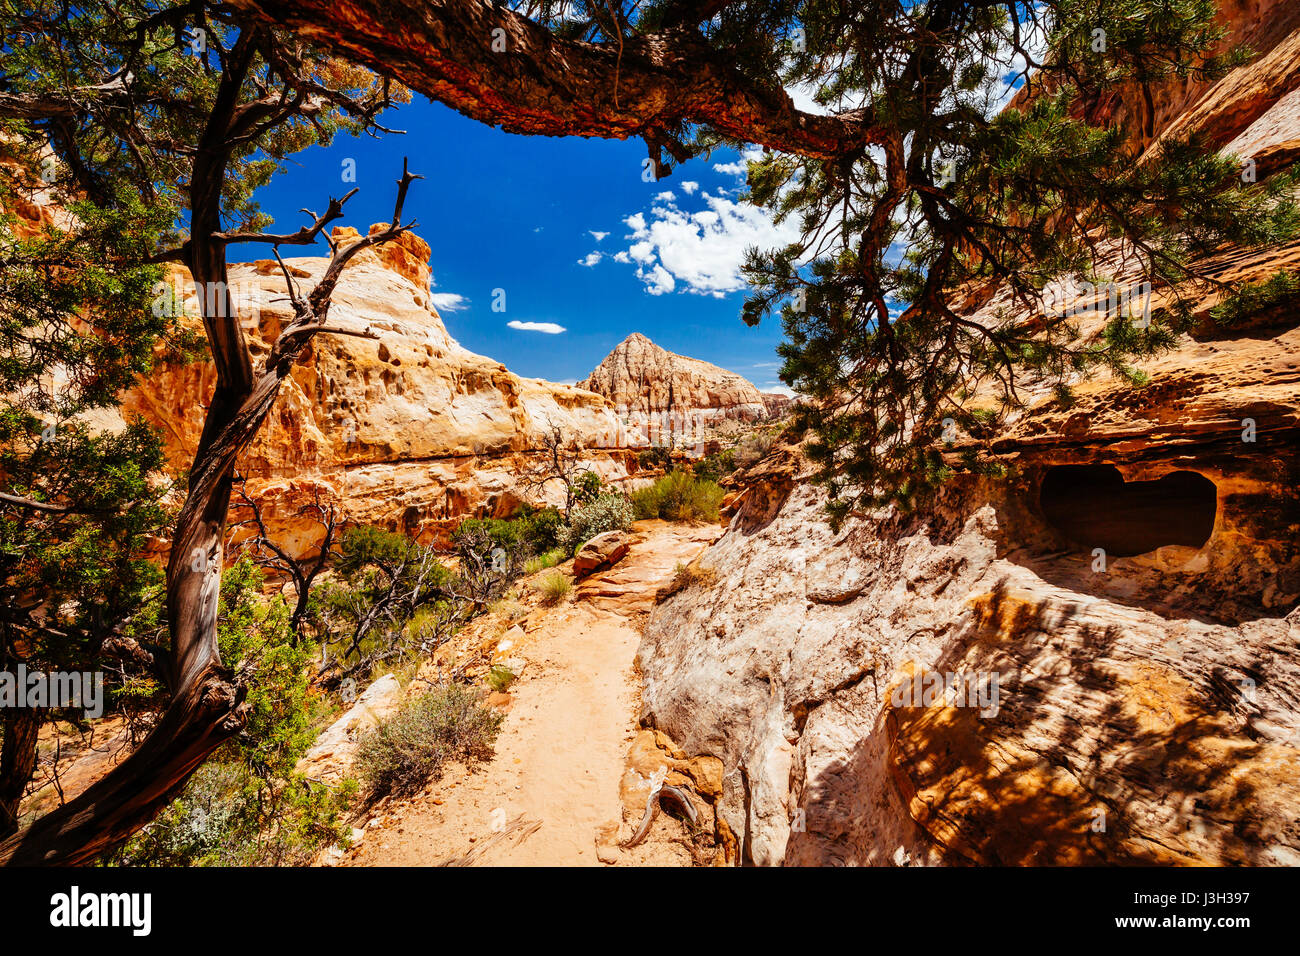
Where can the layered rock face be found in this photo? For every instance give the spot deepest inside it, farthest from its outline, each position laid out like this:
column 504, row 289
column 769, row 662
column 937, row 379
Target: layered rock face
column 1096, row 660
column 664, row 395
column 406, row 430
column 776, row 403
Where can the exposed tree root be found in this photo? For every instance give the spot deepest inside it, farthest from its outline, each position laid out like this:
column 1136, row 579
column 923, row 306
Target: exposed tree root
column 652, row 807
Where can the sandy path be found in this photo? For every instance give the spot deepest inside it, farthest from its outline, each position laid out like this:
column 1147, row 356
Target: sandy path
column 561, row 750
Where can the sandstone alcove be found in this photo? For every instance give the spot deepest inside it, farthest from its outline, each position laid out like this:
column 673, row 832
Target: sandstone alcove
column 1093, row 506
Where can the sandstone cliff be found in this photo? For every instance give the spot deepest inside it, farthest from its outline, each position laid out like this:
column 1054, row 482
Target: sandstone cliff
column 776, row 404
column 406, row 430
column 668, row 395
column 1146, row 704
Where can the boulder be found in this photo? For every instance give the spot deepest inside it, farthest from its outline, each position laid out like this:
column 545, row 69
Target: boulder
column 331, row 754
column 603, row 551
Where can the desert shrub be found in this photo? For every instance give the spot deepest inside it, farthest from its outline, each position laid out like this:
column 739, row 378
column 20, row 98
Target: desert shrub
column 752, row 448
column 228, row 816
column 716, row 466
column 501, row 532
column 527, row 532
column 500, row 678
column 402, row 754
column 543, row 561
column 678, row 496
column 247, row 806
column 608, row 512
column 510, row 609
column 555, row 587
column 541, row 527
column 658, row 456
column 366, row 545
column 686, row 576
column 359, row 619
column 587, row 487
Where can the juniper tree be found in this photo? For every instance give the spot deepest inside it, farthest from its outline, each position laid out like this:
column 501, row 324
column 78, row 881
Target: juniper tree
column 913, row 186
column 188, row 108
column 77, row 503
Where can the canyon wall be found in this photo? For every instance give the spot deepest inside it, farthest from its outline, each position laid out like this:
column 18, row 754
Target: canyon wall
column 406, row 430
column 1095, row 660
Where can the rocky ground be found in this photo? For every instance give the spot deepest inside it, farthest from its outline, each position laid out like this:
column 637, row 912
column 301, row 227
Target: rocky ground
column 566, row 786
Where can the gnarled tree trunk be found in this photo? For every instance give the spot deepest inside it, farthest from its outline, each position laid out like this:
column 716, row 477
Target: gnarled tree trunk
column 17, row 761
column 206, row 703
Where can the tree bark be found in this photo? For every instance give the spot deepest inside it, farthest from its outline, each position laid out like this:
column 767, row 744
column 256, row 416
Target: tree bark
column 541, row 84
column 17, row 762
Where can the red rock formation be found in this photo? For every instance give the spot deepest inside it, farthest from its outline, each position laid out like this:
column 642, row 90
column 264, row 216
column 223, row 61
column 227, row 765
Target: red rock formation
column 406, row 430
column 776, row 403
column 669, row 396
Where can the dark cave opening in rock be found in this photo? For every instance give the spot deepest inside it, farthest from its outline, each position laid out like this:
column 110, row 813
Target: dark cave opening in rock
column 1095, row 507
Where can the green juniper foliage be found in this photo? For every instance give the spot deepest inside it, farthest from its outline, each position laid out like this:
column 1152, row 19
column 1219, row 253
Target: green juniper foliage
column 959, row 195
column 947, row 191
column 248, row 806
column 77, row 502
column 75, row 327
column 128, row 119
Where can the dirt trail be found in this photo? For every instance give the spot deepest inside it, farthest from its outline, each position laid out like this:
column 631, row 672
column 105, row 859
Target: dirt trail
column 560, row 754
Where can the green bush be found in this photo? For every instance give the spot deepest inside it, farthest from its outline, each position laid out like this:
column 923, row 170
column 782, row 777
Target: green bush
column 659, row 456
column 608, row 512
column 528, row 531
column 541, row 527
column 254, row 638
column 587, row 487
column 247, row 806
column 716, row 466
column 228, row 816
column 678, row 496
column 364, row 545
column 357, row 617
column 403, row 753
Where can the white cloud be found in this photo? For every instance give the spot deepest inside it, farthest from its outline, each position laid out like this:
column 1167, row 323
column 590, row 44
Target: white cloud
column 665, row 196
column 740, row 166
column 590, row 259
column 448, row 301
column 699, row 251
column 598, row 236
column 659, row 280
column 689, row 187
column 550, row 328
column 779, row 389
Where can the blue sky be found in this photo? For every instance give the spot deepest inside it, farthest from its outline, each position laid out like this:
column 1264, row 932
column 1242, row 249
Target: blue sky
column 518, row 213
